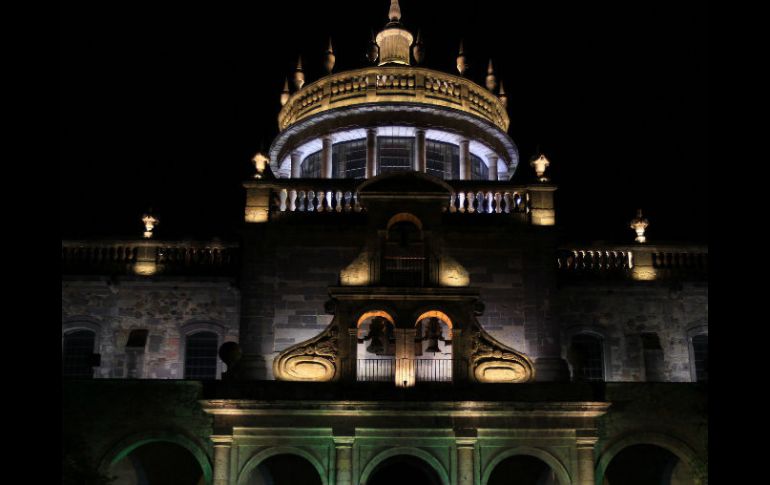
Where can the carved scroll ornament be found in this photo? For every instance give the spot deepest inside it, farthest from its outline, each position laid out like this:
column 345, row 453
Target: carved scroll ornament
column 311, row 360
column 494, row 362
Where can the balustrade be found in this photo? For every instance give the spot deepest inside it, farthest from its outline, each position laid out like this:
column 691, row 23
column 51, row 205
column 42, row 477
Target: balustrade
column 377, row 84
column 424, row 370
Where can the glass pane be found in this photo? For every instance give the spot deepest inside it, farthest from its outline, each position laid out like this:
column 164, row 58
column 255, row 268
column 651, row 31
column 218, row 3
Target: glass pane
column 76, row 355
column 311, row 166
column 700, row 350
column 395, row 154
column 201, row 356
column 479, row 169
column 589, row 355
column 349, row 159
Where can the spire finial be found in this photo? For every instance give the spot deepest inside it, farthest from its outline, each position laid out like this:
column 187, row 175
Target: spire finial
column 374, row 50
column 299, row 76
column 639, row 224
column 418, row 52
column 461, row 65
column 503, row 97
column 330, row 58
column 394, row 14
column 149, row 222
column 491, row 79
column 540, row 164
column 285, row 92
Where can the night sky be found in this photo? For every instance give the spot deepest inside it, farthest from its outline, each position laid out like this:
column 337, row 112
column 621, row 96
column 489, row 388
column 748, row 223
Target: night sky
column 163, row 105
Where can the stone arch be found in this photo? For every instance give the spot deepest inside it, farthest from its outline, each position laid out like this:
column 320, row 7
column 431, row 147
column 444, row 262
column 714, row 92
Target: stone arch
column 259, row 457
column 676, row 446
column 549, row 459
column 128, row 444
column 83, row 323
column 404, row 217
column 375, row 313
column 405, row 450
column 437, row 314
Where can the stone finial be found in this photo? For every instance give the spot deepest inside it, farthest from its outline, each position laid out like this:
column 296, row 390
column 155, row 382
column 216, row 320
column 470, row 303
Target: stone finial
column 540, row 163
column 461, row 65
column 418, row 51
column 260, row 163
column 491, row 79
column 394, row 13
column 374, row 50
column 149, row 222
column 285, row 92
column 299, row 76
column 503, row 97
column 330, row 58
column 639, row 224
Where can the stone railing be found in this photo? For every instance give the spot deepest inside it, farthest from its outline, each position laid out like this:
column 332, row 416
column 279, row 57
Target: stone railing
column 478, row 197
column 148, row 257
column 385, row 84
column 270, row 198
column 640, row 262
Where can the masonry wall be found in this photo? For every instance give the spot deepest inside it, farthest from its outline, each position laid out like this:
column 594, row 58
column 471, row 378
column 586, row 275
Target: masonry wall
column 168, row 308
column 622, row 311
column 285, row 282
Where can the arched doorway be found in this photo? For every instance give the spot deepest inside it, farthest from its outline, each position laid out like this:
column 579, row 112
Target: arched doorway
column 647, row 464
column 284, row 469
column 523, row 470
column 157, row 463
column 403, row 469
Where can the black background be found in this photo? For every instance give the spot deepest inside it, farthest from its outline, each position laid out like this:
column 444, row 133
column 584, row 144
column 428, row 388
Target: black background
column 163, row 104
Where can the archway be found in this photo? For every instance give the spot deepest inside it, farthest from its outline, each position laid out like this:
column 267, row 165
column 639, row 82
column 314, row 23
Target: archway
column 157, row 463
column 433, row 347
column 284, row 469
column 525, row 466
column 644, row 464
column 375, row 351
column 403, row 469
column 671, row 459
column 404, row 465
column 282, row 466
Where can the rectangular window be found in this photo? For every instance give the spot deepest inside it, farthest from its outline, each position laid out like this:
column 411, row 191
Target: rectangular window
column 395, row 154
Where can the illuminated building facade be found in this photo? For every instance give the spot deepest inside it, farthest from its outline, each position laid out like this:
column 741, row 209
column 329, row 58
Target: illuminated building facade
column 399, row 307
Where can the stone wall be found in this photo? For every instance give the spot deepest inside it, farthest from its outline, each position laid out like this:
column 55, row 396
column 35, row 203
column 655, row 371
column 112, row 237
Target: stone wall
column 286, row 277
column 167, row 307
column 622, row 311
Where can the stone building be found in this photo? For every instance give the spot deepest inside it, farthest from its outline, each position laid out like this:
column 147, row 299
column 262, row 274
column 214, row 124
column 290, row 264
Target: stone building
column 399, row 307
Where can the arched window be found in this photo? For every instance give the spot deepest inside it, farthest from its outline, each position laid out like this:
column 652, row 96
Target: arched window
column 586, row 356
column 200, row 360
column 78, row 353
column 700, row 353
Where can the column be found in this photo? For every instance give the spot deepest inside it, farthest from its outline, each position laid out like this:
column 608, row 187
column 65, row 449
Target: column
column 585, row 456
column 492, row 166
column 344, row 451
column 465, row 452
column 326, row 157
column 222, row 446
column 371, row 152
column 405, row 357
column 420, row 163
column 465, row 160
column 296, row 160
